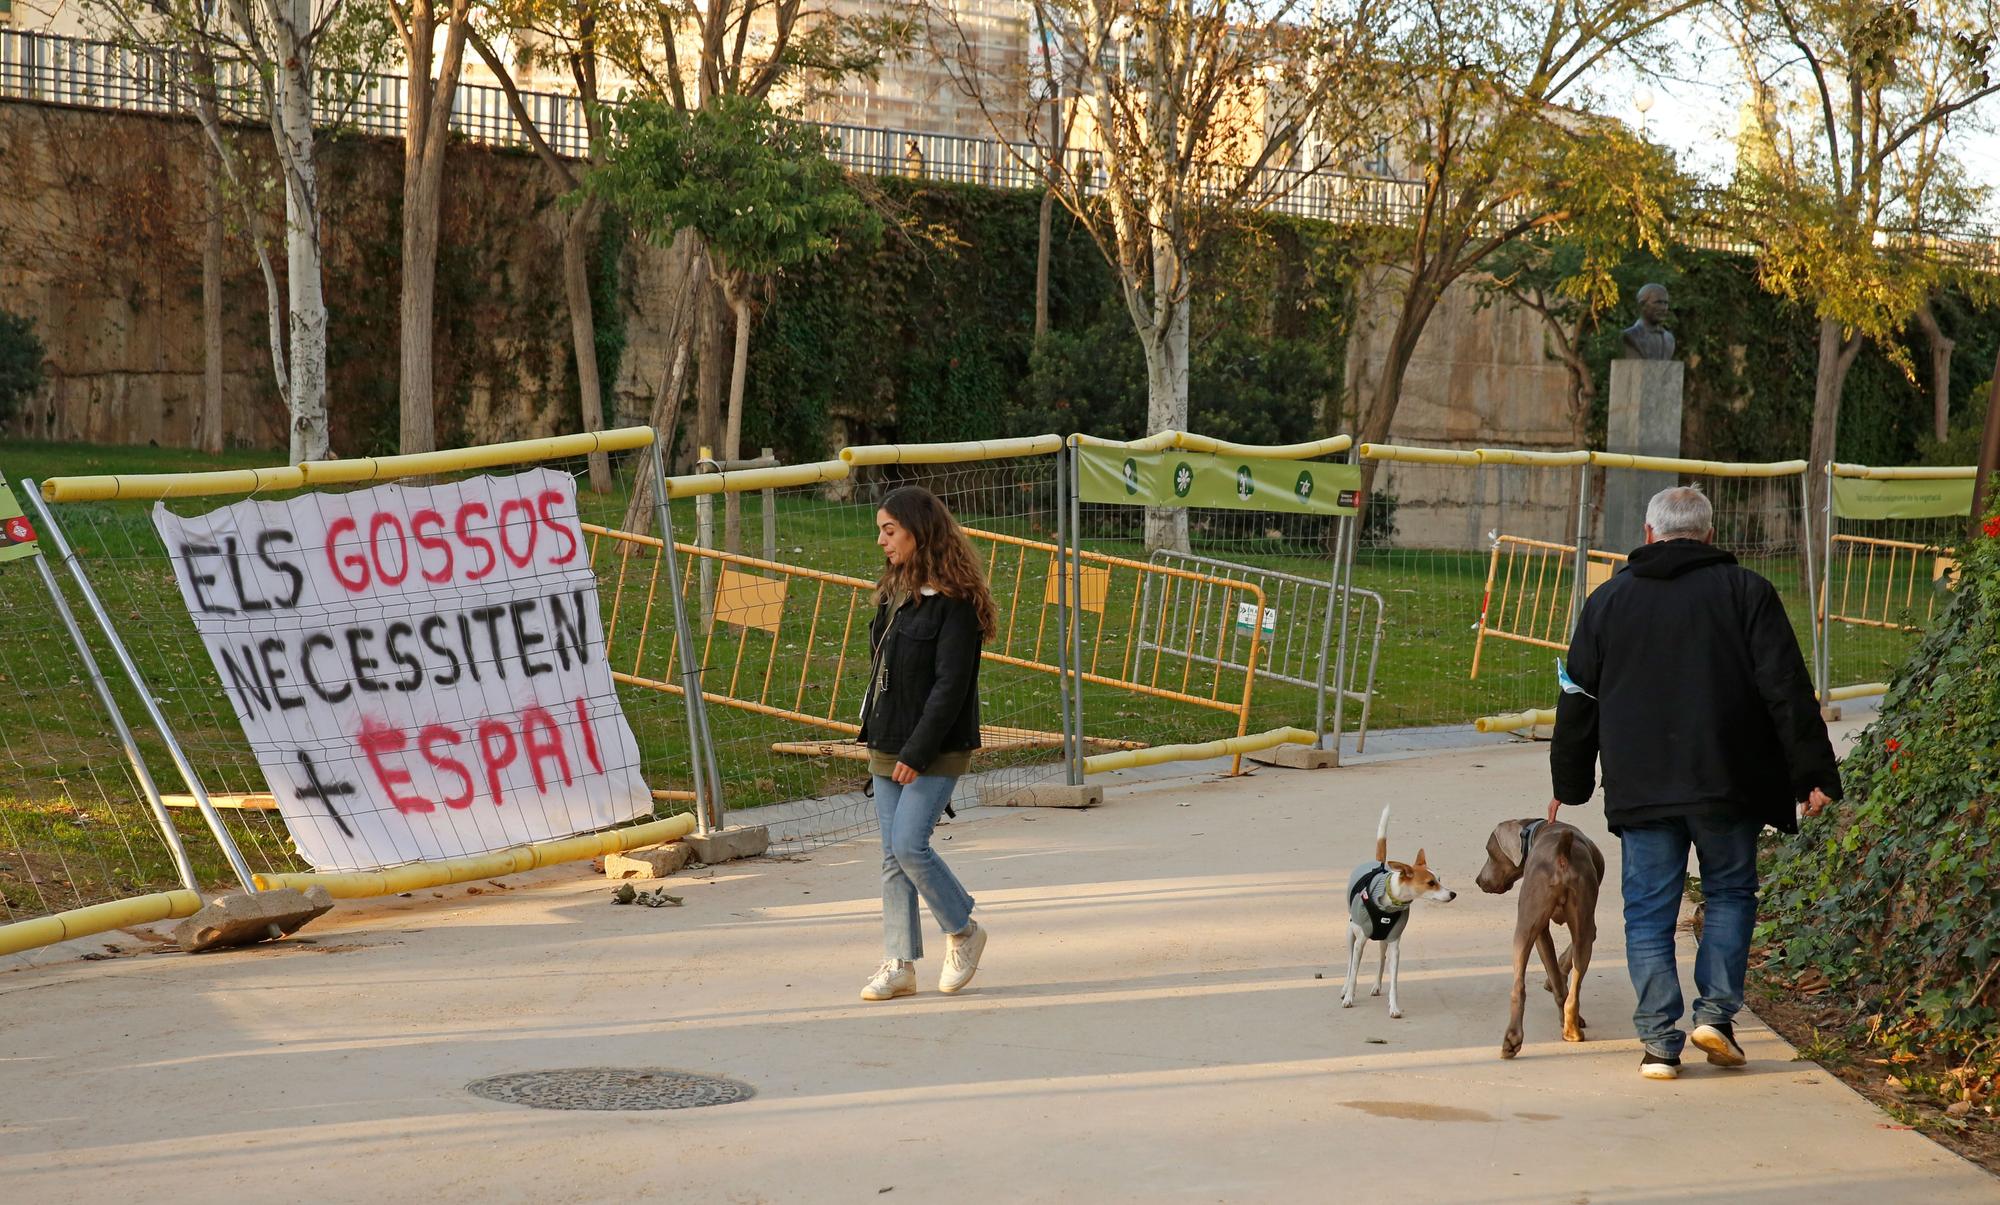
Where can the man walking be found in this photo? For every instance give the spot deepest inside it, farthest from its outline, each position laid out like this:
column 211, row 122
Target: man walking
column 1684, row 677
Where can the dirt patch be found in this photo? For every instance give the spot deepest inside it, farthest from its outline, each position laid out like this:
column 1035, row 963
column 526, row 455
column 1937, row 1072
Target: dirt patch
column 1404, row 1110
column 1824, row 1030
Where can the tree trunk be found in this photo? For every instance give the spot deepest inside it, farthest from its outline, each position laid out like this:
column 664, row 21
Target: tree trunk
column 212, row 434
column 1989, row 459
column 292, row 124
column 686, row 278
column 426, row 139
column 1167, row 410
column 1941, row 349
column 732, row 442
column 711, row 378
column 1380, row 417
column 579, row 237
column 1044, row 230
column 1836, row 356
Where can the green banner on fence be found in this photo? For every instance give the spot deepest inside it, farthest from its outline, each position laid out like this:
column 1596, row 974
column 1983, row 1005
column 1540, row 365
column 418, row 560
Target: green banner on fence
column 17, row 535
column 1862, row 498
column 1308, row 487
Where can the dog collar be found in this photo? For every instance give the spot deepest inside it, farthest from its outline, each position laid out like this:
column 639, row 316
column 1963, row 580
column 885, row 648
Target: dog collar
column 1528, row 832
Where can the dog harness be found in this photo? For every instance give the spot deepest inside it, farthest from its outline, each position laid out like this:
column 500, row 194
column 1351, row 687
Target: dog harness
column 1370, row 906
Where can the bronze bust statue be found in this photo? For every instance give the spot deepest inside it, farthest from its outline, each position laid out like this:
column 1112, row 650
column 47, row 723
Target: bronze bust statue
column 1648, row 338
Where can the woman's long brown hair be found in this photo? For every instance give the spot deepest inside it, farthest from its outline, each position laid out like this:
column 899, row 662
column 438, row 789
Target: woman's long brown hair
column 943, row 558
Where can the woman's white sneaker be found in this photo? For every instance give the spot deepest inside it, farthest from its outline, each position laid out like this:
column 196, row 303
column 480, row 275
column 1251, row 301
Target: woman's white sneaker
column 892, row 979
column 961, row 959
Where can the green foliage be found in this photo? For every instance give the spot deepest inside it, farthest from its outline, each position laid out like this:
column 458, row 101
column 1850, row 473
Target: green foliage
column 757, row 187
column 1895, row 897
column 1750, row 360
column 928, row 335
column 20, row 362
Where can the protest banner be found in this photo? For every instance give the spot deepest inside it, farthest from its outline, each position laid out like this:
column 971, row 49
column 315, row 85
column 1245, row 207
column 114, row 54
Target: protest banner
column 420, row 671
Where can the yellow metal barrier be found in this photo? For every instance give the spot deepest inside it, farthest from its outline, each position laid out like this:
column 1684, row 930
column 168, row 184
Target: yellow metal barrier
column 416, row 876
column 1189, row 442
column 146, row 486
column 98, row 918
column 952, row 453
column 1516, row 721
column 1234, row 746
column 1903, row 567
column 1543, row 618
column 1915, row 472
column 1409, row 455
column 753, row 594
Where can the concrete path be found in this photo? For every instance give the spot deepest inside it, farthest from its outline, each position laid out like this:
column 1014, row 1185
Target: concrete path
column 1150, row 1025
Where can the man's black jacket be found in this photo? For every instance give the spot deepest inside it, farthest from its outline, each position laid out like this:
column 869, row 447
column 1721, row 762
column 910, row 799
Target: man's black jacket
column 1696, row 696
column 931, row 705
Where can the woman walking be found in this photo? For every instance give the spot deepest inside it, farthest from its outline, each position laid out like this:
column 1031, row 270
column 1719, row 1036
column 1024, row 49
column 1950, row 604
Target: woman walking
column 920, row 722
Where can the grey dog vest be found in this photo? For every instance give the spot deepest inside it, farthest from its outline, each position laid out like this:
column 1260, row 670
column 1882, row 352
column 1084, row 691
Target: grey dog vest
column 1369, row 905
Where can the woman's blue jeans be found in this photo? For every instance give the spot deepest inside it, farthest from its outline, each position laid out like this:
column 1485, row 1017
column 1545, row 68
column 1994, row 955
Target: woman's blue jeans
column 1655, row 879
column 910, row 867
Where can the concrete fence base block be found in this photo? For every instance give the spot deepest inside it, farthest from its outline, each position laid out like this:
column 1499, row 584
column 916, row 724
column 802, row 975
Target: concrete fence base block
column 727, row 845
column 246, row 917
column 655, row 863
column 1830, row 712
column 1047, row 796
column 1298, row 757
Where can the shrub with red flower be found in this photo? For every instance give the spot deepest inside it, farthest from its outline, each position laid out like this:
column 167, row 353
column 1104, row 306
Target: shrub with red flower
column 1892, row 744
column 1992, row 527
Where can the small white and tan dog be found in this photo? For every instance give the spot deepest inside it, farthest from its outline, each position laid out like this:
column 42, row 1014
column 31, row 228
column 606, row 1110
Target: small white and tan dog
column 1379, row 896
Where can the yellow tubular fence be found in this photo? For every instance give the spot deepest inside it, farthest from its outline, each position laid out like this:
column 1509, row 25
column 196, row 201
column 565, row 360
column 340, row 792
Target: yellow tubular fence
column 364, row 884
column 1515, row 721
column 1912, row 564
column 97, row 918
column 757, row 600
column 1235, row 746
column 1542, row 620
column 1609, row 460
column 1913, row 472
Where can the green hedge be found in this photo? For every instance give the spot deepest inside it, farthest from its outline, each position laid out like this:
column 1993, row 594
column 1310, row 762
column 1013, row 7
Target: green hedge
column 1895, row 897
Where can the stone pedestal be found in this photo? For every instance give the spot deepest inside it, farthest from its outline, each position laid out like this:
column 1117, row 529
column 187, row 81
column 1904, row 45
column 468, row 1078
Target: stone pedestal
column 1644, row 419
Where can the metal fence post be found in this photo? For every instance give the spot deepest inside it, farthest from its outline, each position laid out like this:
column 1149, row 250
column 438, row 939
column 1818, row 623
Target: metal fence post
column 708, row 802
column 1335, row 597
column 770, row 512
column 704, row 539
column 1579, row 585
column 1076, row 617
column 1071, row 735
column 1343, row 576
column 223, row 839
column 1817, row 620
column 1824, row 601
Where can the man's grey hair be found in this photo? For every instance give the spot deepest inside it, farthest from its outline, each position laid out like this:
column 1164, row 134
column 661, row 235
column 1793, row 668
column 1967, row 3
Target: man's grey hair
column 1681, row 513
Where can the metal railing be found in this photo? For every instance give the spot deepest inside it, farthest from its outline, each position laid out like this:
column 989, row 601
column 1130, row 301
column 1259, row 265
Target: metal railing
column 82, row 73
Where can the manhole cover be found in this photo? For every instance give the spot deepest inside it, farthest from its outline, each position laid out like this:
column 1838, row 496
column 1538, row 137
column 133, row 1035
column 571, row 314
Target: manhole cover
column 611, row 1088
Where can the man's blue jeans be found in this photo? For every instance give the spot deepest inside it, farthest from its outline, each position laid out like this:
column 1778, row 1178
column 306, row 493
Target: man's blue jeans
column 1655, row 879
column 911, row 867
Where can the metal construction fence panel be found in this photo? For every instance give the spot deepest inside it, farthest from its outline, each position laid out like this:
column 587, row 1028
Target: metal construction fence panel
column 280, row 646
column 1887, row 567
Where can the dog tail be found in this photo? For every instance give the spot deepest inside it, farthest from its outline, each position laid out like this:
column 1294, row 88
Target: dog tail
column 1564, row 843
column 1382, row 838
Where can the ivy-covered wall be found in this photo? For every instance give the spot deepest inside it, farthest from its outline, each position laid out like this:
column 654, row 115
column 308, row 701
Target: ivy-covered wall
column 928, row 335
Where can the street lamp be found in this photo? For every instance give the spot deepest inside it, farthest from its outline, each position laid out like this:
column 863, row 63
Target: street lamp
column 1642, row 100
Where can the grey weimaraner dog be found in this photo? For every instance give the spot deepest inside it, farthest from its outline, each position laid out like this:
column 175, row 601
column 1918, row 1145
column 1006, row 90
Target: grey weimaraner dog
column 1559, row 871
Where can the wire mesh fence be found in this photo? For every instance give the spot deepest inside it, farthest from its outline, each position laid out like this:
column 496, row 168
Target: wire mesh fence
column 79, row 819
column 782, row 641
column 1887, row 566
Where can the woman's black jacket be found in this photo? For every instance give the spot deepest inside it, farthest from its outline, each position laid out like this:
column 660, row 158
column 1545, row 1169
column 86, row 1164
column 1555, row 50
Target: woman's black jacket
column 930, row 702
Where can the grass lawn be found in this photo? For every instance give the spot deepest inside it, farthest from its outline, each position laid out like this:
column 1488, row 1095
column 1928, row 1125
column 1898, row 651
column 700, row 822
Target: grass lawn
column 73, row 827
